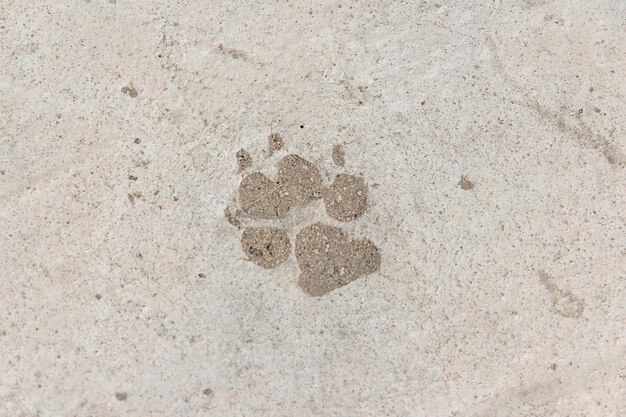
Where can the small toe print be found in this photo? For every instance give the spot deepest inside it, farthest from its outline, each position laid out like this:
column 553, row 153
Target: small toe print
column 265, row 246
column 339, row 155
column 346, row 198
column 244, row 161
column 230, row 217
column 275, row 142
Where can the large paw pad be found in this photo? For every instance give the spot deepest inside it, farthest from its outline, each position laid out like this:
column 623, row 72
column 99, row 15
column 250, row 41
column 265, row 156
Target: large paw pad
column 328, row 259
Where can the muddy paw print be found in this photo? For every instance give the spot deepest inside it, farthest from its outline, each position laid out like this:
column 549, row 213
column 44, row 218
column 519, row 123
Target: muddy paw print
column 327, row 257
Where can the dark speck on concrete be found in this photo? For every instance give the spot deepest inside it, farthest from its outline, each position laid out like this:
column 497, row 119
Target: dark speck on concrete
column 130, row 91
column 244, row 161
column 132, row 178
column 465, row 184
column 202, row 275
column 232, row 52
column 121, row 396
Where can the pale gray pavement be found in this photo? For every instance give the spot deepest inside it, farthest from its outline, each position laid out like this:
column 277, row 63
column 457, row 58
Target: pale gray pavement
column 124, row 291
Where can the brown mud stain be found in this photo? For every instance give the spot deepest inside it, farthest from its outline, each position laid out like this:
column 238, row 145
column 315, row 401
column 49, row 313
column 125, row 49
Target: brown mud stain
column 262, row 198
column 265, row 246
column 465, row 184
column 346, row 198
column 328, row 259
column 231, row 217
column 244, row 161
column 232, row 52
column 299, row 183
column 300, row 179
column 564, row 302
column 339, row 155
column 274, row 143
column 130, row 91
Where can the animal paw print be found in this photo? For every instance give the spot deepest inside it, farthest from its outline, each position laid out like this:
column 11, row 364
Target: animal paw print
column 327, row 257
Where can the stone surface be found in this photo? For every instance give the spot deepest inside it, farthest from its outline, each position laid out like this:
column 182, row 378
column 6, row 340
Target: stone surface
column 124, row 290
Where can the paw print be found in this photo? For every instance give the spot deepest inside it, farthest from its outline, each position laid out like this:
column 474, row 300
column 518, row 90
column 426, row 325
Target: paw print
column 327, row 257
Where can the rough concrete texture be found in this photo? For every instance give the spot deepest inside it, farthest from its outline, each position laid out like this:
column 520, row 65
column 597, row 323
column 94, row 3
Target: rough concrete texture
column 124, row 290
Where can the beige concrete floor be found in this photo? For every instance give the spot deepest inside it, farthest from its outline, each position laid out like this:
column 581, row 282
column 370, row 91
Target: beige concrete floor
column 124, row 291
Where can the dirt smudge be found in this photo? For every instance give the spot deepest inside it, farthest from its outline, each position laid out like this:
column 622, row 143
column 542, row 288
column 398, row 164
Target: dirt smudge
column 274, row 143
column 130, row 91
column 244, row 161
column 265, row 246
column 346, row 198
column 339, row 155
column 328, row 259
column 564, row 302
column 465, row 183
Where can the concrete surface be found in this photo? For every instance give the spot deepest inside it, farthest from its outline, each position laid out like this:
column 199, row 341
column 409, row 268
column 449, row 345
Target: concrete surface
column 124, row 290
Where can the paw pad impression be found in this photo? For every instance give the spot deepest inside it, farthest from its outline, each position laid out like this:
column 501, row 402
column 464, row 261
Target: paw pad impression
column 299, row 182
column 267, row 247
column 327, row 257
